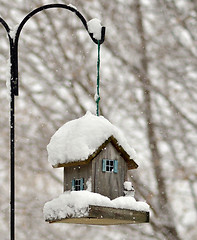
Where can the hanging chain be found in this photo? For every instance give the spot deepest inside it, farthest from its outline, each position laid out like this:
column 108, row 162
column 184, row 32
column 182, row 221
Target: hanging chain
column 98, row 81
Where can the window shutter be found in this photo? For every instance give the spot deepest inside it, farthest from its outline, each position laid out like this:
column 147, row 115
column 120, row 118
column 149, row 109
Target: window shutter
column 115, row 166
column 73, row 184
column 104, row 165
column 82, row 184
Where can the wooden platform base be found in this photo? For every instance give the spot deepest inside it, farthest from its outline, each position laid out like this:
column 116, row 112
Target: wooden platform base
column 99, row 215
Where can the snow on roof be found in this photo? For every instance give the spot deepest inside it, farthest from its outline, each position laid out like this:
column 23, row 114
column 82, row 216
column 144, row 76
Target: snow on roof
column 76, row 140
column 76, row 204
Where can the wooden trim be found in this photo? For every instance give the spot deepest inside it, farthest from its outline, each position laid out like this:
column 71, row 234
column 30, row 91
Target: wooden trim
column 133, row 216
column 131, row 163
column 71, row 164
column 99, row 215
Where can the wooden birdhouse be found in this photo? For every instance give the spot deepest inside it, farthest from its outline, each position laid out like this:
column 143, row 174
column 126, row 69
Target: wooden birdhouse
column 106, row 169
column 96, row 158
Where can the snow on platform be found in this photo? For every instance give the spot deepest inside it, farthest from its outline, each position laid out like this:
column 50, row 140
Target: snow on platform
column 78, row 204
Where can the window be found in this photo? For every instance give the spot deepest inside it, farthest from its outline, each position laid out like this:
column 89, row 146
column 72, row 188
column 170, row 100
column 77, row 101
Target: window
column 110, row 165
column 78, row 184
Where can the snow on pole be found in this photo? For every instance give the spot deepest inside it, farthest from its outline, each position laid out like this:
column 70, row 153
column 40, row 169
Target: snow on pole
column 13, row 31
column 94, row 27
column 70, row 5
column 8, row 76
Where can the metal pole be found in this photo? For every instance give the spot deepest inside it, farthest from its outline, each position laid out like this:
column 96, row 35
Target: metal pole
column 12, row 132
column 14, row 91
column 12, row 167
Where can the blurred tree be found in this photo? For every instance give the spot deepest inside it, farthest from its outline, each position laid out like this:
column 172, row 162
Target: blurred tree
column 148, row 89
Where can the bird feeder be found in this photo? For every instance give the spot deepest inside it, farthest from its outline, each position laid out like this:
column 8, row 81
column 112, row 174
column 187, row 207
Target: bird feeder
column 96, row 158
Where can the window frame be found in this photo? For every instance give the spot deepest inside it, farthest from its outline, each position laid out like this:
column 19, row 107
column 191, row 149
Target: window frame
column 108, row 167
column 78, row 184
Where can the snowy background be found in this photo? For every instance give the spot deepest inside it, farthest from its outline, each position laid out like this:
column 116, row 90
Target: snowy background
column 148, row 89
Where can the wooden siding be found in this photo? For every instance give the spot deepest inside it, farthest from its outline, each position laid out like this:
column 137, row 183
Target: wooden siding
column 109, row 184
column 77, row 172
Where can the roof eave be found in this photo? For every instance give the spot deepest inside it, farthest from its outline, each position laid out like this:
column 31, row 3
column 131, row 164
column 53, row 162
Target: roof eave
column 131, row 163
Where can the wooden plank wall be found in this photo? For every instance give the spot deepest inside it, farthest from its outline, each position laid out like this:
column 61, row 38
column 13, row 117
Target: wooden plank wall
column 77, row 172
column 108, row 183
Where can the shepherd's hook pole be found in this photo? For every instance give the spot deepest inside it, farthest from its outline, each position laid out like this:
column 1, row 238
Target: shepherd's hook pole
column 14, row 89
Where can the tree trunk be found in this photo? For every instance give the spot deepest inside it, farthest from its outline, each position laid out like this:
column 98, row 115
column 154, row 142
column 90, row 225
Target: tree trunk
column 166, row 221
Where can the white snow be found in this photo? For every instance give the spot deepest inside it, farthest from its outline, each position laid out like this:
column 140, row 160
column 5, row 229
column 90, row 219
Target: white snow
column 130, row 203
column 13, row 31
column 8, row 76
column 129, row 190
column 128, row 185
column 94, row 26
column 96, row 97
column 70, row 5
column 89, row 184
column 76, row 204
column 76, row 140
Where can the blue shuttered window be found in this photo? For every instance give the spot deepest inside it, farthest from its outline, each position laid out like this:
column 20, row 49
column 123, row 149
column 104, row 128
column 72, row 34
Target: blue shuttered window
column 104, row 165
column 115, row 166
column 82, row 184
column 110, row 165
column 78, row 184
column 73, row 184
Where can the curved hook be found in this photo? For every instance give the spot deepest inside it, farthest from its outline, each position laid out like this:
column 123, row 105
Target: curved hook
column 14, row 76
column 64, row 6
column 14, row 53
column 5, row 25
column 14, row 40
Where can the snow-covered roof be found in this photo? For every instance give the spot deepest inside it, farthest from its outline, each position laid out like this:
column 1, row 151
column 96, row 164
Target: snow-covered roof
column 76, row 140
